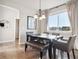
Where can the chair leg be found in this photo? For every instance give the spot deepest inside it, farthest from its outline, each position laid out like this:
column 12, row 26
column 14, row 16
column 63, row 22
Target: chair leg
column 73, row 53
column 54, row 53
column 25, row 47
column 68, row 55
column 41, row 54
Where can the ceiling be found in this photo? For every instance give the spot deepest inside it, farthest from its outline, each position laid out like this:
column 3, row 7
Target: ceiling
column 32, row 5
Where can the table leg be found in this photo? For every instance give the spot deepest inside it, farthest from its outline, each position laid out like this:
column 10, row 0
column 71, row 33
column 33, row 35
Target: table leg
column 50, row 52
column 62, row 54
column 54, row 53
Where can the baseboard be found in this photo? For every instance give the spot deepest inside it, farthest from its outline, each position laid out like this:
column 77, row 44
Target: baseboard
column 7, row 41
column 22, row 43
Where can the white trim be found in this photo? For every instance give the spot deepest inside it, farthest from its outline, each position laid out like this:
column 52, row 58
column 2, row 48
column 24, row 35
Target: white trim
column 22, row 43
column 7, row 41
column 7, row 7
column 57, row 10
column 11, row 9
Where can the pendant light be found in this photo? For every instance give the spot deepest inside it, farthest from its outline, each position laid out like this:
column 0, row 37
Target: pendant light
column 40, row 14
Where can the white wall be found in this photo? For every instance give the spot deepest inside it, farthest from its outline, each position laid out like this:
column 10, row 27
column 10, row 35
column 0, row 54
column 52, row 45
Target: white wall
column 8, row 15
column 23, row 25
column 7, row 33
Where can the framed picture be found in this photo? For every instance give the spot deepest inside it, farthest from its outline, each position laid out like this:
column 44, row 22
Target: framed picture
column 31, row 23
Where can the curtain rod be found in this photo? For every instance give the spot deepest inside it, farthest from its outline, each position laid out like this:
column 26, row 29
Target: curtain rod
column 57, row 6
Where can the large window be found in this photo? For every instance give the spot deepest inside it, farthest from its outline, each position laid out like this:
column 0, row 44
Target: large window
column 59, row 22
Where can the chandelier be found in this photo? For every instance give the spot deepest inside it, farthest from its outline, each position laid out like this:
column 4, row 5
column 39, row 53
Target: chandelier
column 40, row 14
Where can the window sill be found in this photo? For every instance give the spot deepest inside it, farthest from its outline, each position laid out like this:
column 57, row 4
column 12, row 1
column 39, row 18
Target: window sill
column 57, row 31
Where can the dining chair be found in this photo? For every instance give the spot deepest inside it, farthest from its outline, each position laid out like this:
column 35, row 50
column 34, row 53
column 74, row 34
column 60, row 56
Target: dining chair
column 46, row 33
column 55, row 34
column 41, row 44
column 64, row 45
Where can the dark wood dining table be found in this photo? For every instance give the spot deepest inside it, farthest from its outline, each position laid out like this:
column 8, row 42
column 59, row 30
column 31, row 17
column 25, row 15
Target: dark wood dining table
column 49, row 37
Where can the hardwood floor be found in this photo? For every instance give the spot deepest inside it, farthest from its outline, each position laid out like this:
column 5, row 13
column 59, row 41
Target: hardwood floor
column 16, row 51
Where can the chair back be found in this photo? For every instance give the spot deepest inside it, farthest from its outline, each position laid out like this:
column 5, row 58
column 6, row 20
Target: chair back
column 29, row 33
column 46, row 32
column 71, row 42
column 57, row 34
column 28, row 37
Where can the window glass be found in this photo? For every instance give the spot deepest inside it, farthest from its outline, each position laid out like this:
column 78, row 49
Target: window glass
column 52, row 20
column 59, row 22
column 63, row 19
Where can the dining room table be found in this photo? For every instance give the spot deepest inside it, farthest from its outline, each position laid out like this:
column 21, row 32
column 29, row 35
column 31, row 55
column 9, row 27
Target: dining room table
column 49, row 37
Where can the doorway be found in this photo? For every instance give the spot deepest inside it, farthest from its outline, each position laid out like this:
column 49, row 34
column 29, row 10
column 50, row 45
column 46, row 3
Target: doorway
column 17, row 31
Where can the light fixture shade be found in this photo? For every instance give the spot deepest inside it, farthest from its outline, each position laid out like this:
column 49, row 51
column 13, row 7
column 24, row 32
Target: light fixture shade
column 35, row 16
column 40, row 18
column 43, row 16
